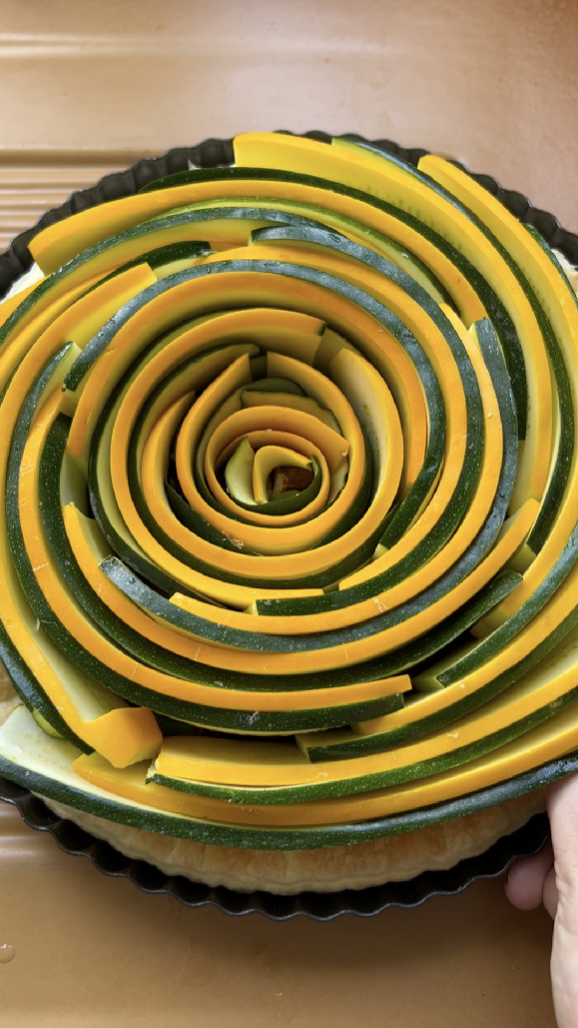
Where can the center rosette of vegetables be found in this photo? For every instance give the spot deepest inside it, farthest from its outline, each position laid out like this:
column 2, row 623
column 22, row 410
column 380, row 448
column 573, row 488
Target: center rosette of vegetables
column 288, row 449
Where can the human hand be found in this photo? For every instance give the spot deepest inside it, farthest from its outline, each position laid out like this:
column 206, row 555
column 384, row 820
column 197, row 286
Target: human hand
column 551, row 878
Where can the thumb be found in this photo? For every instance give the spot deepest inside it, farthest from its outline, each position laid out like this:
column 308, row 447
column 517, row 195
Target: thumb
column 561, row 895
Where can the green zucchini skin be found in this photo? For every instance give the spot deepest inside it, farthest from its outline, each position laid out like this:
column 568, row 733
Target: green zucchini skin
column 139, row 591
column 160, row 255
column 511, row 345
column 291, row 501
column 441, row 719
column 313, row 216
column 495, row 309
column 260, row 641
column 72, row 381
column 553, row 498
column 80, row 368
column 514, row 624
column 98, row 344
column 155, row 257
column 145, row 597
column 31, row 692
column 241, row 265
column 255, row 721
column 477, row 549
column 193, row 521
column 549, row 509
column 196, row 523
column 410, row 505
column 559, row 478
column 94, row 801
column 273, row 795
column 150, row 653
column 149, row 570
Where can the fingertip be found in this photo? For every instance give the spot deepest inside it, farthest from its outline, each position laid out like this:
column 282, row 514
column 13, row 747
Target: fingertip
column 526, row 878
column 521, row 895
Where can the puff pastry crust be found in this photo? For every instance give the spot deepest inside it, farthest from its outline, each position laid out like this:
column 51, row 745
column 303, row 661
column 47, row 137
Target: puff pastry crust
column 393, row 858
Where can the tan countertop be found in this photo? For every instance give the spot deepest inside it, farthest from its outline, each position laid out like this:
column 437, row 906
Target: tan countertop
column 493, row 84
column 94, row 952
column 86, row 88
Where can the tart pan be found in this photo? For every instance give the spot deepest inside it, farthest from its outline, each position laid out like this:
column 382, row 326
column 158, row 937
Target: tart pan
column 320, row 907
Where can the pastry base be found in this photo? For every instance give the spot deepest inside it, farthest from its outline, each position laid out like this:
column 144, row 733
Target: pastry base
column 394, row 858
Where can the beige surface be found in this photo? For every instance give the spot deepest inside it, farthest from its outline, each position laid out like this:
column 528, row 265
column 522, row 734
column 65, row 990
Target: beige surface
column 94, row 952
column 493, row 84
column 85, row 87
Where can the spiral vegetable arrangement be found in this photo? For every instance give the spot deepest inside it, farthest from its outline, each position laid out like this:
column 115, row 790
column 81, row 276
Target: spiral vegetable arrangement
column 289, row 499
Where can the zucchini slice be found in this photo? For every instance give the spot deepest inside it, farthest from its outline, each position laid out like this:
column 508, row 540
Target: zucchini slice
column 52, row 768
